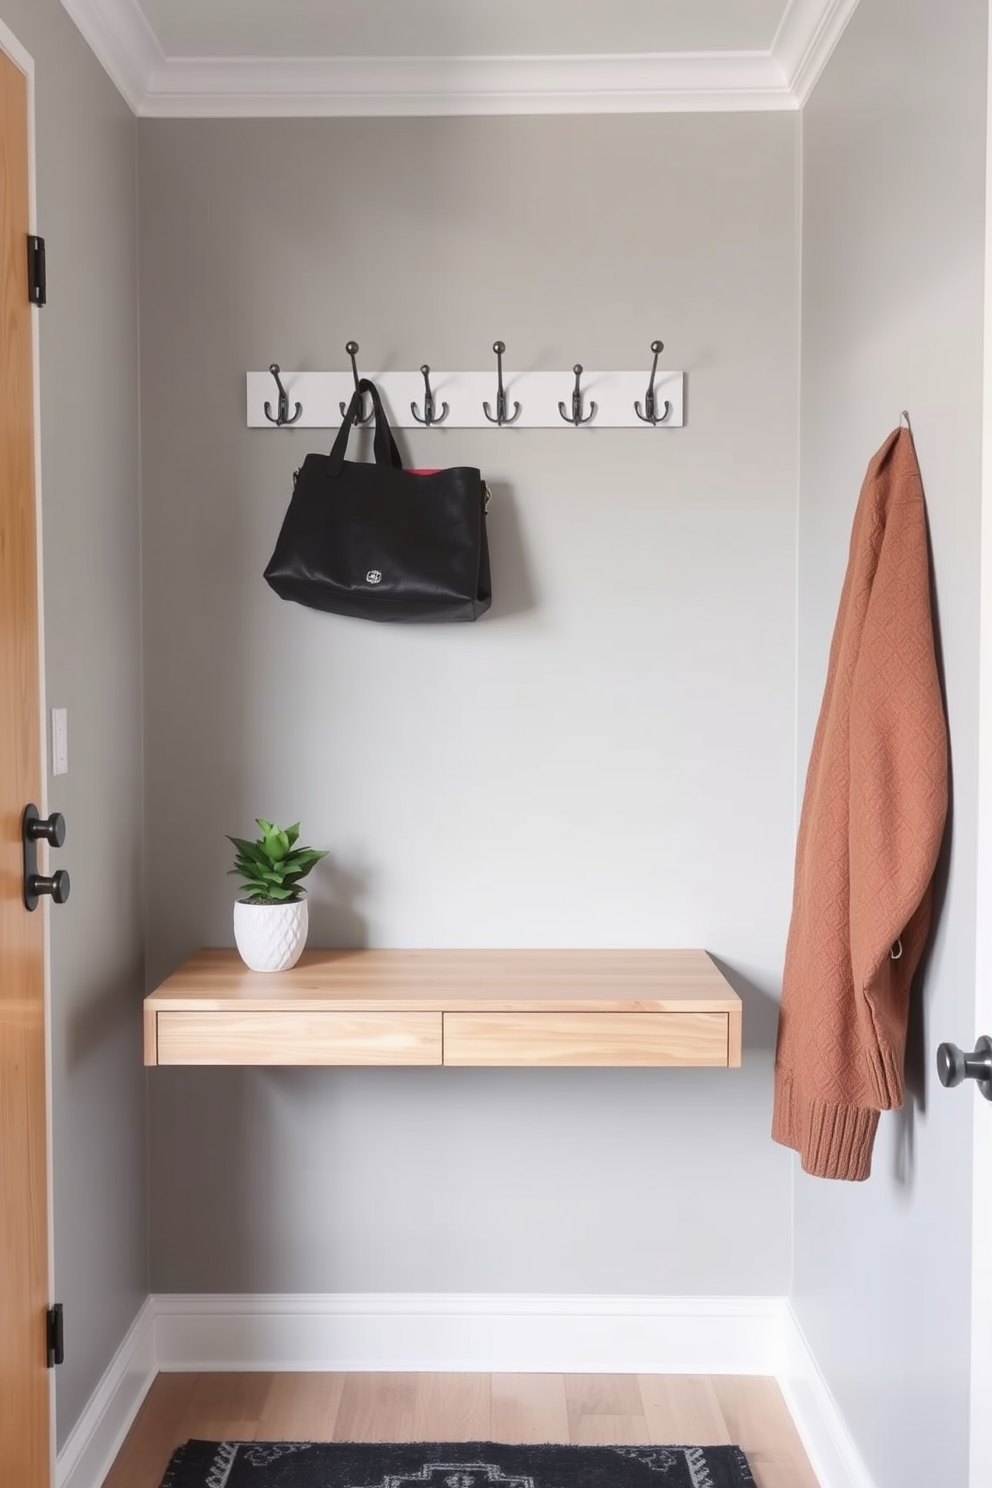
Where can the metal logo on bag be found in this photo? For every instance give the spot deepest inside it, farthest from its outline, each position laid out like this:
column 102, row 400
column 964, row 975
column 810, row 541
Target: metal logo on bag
column 373, row 576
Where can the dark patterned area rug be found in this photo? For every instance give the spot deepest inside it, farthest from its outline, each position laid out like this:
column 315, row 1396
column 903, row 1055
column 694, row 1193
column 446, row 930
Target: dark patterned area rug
column 201, row 1464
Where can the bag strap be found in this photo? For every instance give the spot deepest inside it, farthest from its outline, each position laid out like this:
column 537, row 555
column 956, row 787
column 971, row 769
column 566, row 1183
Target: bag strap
column 384, row 445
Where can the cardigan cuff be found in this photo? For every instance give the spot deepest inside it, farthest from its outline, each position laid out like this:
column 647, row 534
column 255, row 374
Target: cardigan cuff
column 885, row 1070
column 834, row 1141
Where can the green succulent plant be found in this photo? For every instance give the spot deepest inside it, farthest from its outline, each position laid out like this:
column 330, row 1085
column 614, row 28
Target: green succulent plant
column 272, row 867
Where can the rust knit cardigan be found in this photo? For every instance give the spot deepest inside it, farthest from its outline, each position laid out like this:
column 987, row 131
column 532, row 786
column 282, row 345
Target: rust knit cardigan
column 869, row 835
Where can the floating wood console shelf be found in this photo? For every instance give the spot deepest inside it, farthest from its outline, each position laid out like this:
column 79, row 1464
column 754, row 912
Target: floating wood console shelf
column 375, row 1007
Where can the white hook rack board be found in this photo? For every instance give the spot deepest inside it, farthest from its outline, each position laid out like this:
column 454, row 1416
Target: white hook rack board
column 538, row 393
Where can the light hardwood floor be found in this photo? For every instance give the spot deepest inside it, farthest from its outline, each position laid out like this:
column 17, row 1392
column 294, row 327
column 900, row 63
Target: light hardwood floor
column 586, row 1409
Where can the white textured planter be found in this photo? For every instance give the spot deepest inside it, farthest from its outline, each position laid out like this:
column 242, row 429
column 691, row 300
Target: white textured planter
column 271, row 937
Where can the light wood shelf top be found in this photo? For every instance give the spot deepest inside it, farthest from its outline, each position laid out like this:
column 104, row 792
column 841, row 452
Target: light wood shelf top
column 506, row 986
column 476, row 981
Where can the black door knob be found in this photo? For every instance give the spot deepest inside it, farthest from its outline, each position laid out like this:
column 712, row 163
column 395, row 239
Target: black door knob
column 57, row 884
column 46, row 829
column 954, row 1066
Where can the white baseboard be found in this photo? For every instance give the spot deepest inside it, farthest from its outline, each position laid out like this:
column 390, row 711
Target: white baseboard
column 491, row 1333
column 829, row 1446
column 97, row 1436
column 486, row 1332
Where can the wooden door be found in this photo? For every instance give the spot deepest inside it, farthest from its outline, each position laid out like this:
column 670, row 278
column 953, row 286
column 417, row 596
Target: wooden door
column 25, row 1448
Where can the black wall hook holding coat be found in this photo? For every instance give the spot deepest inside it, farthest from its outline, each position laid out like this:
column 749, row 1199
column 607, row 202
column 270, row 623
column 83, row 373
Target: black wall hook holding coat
column 501, row 414
column 575, row 417
column 651, row 414
column 282, row 414
column 430, row 417
column 363, row 417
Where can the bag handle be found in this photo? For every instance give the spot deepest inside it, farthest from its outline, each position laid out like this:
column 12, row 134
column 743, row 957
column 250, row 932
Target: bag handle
column 384, row 445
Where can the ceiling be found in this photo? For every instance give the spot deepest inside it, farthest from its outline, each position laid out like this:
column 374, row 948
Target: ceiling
column 410, row 28
column 345, row 57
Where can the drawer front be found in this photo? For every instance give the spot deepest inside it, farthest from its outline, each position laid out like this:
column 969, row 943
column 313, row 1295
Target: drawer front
column 290, row 1037
column 586, row 1039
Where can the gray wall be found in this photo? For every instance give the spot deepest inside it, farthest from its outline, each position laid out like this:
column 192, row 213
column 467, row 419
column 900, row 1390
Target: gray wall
column 606, row 759
column 89, row 427
column 892, row 317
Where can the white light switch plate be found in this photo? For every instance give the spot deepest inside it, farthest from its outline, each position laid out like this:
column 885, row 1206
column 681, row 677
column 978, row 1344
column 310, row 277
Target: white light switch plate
column 60, row 742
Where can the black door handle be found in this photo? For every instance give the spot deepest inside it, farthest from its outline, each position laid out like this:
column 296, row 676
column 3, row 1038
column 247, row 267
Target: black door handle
column 954, row 1066
column 35, row 829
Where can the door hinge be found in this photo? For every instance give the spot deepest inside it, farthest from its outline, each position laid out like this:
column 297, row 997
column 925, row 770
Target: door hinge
column 54, row 1335
column 37, row 272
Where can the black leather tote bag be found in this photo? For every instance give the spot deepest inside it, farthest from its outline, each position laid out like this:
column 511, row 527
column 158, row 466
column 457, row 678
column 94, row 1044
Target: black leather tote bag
column 378, row 542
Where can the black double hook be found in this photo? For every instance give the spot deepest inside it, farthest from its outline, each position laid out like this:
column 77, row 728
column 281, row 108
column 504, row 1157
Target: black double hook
column 651, row 414
column 363, row 417
column 501, row 414
column 282, row 408
column 430, row 417
column 575, row 417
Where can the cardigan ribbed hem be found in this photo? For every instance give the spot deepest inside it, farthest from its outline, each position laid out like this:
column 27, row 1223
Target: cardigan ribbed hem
column 834, row 1141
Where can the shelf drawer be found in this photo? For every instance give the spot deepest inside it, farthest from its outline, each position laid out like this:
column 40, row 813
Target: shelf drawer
column 624, row 1039
column 298, row 1037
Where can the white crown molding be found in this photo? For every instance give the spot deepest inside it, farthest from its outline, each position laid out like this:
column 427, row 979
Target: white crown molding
column 123, row 41
column 806, row 38
column 157, row 86
column 377, row 86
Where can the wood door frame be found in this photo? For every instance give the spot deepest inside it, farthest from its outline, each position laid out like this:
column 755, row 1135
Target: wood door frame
column 24, row 62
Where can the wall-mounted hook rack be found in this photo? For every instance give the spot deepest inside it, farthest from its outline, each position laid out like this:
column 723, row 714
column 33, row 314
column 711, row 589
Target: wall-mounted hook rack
column 463, row 400
column 575, row 417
